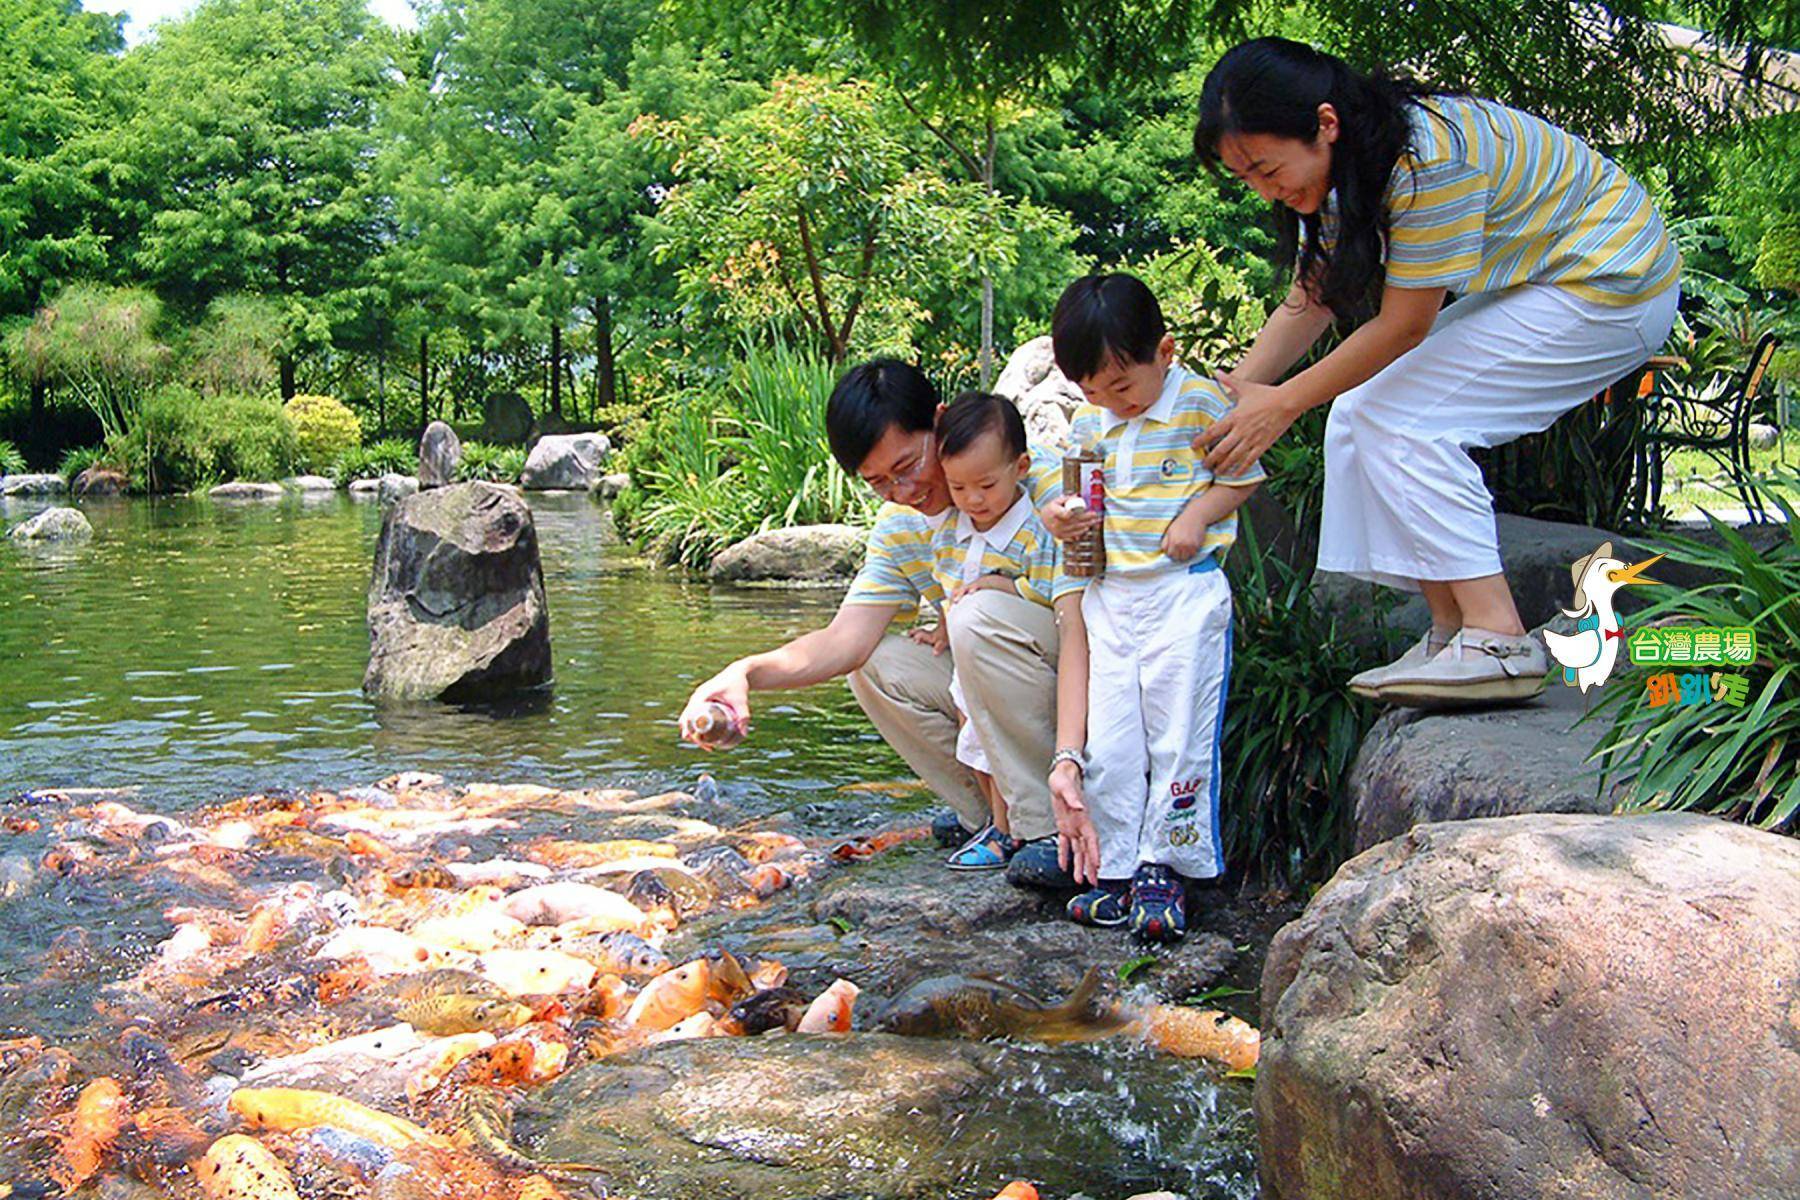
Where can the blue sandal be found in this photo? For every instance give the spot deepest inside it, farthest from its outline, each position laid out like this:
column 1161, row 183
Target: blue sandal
column 988, row 850
column 1158, row 904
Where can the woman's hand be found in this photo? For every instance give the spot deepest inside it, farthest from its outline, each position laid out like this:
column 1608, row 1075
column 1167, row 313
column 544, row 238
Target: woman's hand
column 1235, row 441
column 1077, row 842
column 1065, row 525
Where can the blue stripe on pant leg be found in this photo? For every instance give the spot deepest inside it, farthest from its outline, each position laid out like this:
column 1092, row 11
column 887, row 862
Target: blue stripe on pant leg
column 1218, row 830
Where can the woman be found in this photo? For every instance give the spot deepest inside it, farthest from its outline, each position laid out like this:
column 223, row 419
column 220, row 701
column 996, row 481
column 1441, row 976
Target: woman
column 1389, row 197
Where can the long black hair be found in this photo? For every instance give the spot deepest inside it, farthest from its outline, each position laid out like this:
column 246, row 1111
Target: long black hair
column 1274, row 86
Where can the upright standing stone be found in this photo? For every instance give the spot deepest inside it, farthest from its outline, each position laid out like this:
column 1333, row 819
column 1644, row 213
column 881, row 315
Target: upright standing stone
column 456, row 602
column 440, row 453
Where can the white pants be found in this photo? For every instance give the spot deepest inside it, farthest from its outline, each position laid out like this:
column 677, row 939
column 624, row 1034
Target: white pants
column 1159, row 659
column 968, row 743
column 1403, row 499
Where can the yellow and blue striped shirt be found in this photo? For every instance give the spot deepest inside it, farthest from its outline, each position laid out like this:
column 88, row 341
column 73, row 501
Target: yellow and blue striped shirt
column 897, row 567
column 1490, row 198
column 1152, row 471
column 1017, row 546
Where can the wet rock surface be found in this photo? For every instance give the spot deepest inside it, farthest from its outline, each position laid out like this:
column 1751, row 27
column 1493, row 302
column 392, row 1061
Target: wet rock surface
column 1539, row 1006
column 456, row 603
column 242, row 489
column 100, row 481
column 32, row 485
column 440, row 453
column 53, row 525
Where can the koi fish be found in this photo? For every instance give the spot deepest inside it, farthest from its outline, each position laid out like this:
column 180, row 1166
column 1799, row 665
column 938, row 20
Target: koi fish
column 238, row 1167
column 982, row 1008
column 289, row 1109
column 761, row 846
column 537, row 972
column 452, row 1014
column 1018, row 1189
column 1202, row 1033
column 671, row 997
column 552, row 852
column 832, row 1010
column 485, row 929
column 618, row 953
column 501, row 872
column 772, row 1008
column 855, row 848
column 387, row 951
column 561, row 903
column 445, row 981
column 100, row 1112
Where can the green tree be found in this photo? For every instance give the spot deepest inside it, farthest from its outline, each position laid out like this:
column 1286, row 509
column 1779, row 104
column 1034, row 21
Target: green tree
column 808, row 212
column 54, row 88
column 252, row 140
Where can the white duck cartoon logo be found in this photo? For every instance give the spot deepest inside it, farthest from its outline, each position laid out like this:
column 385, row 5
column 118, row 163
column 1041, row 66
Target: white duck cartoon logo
column 1587, row 655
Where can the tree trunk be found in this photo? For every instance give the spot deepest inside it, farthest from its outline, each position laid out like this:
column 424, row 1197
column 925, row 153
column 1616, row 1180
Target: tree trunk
column 381, row 392
column 556, row 370
column 987, row 277
column 40, row 389
column 287, row 377
column 606, row 384
column 424, row 382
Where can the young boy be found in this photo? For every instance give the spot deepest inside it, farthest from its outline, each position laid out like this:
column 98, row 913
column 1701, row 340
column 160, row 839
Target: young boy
column 1142, row 754
column 996, row 540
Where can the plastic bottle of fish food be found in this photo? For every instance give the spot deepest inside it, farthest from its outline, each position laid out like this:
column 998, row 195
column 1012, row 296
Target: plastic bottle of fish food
column 717, row 726
column 1084, row 482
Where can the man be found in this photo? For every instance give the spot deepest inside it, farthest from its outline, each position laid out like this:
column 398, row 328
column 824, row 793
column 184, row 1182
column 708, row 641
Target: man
column 879, row 422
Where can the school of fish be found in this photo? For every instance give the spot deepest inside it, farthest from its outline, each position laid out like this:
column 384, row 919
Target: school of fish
column 360, row 985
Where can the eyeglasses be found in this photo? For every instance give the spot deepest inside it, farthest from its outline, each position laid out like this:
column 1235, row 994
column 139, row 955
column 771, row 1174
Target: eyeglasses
column 904, row 478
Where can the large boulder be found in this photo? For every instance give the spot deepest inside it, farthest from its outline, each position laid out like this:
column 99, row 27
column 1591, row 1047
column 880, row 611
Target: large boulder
column 804, row 554
column 32, row 485
column 1539, row 1006
column 565, row 461
column 456, row 602
column 505, row 419
column 53, row 525
column 440, row 453
column 1044, row 395
column 99, row 481
column 1416, row 767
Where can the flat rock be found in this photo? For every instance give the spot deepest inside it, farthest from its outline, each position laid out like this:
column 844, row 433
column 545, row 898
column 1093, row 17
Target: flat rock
column 32, row 485
column 243, row 489
column 1416, row 767
column 53, row 525
column 802, row 553
column 308, row 483
column 456, row 601
column 1522, row 1008
column 571, row 461
column 365, row 487
column 614, row 485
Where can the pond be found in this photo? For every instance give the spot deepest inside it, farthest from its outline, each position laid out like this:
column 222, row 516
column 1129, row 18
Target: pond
column 197, row 651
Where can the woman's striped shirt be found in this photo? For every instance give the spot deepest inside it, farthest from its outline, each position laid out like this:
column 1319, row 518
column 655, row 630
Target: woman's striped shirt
column 1490, row 198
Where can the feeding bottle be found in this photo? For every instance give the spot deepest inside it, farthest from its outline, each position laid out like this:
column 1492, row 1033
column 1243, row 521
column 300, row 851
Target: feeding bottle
column 716, row 726
column 1084, row 482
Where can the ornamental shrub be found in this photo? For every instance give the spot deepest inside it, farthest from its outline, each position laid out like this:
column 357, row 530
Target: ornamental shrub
column 324, row 429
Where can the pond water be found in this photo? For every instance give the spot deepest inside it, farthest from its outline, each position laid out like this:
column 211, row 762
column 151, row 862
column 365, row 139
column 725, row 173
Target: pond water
column 197, row 651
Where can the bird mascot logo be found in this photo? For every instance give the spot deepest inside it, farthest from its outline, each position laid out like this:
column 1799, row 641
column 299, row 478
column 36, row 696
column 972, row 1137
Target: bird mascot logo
column 1587, row 655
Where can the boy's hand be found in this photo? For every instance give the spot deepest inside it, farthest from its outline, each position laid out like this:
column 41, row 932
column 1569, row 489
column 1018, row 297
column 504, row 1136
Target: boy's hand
column 1182, row 539
column 1077, row 842
column 937, row 637
column 1064, row 524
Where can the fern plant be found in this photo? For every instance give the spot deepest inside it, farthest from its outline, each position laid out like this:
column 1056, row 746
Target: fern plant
column 11, row 461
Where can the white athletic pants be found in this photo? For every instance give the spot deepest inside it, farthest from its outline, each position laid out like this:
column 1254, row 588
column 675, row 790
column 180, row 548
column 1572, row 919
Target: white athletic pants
column 1403, row 499
column 1159, row 659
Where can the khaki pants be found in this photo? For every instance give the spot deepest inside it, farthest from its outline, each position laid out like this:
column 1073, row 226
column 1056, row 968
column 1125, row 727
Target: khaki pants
column 1004, row 649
